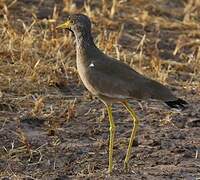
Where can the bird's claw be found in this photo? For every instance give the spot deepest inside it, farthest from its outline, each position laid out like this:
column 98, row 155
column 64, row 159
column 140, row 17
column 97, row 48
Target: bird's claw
column 126, row 167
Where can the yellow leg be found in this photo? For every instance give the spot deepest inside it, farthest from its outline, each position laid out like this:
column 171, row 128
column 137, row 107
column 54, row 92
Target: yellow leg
column 112, row 133
column 133, row 134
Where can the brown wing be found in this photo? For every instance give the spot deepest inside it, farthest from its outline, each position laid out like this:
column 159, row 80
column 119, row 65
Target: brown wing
column 113, row 78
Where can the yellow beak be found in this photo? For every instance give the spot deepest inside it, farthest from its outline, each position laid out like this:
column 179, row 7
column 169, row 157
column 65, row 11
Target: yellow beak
column 65, row 25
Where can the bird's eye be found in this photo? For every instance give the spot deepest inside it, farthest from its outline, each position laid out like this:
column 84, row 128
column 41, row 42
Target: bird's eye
column 72, row 21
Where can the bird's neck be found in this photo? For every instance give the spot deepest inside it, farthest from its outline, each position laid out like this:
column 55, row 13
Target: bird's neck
column 85, row 46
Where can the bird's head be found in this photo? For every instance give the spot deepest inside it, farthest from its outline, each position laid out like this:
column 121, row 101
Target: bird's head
column 76, row 23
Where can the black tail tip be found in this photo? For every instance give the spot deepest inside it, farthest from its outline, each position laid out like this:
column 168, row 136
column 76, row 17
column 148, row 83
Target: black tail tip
column 177, row 104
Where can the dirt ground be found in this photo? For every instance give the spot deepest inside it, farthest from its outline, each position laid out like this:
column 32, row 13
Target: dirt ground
column 52, row 128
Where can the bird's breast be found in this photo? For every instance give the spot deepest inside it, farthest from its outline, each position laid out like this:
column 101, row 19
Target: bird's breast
column 84, row 73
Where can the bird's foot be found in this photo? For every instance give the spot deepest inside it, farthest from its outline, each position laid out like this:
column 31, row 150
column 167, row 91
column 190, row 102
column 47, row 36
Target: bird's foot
column 110, row 168
column 126, row 167
column 109, row 171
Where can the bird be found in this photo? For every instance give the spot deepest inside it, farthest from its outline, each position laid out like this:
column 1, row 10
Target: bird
column 113, row 81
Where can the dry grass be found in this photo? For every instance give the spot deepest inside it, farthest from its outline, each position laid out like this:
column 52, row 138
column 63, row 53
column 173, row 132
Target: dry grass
column 160, row 39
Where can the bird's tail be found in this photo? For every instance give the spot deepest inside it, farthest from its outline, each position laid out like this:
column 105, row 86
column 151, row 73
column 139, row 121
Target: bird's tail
column 178, row 104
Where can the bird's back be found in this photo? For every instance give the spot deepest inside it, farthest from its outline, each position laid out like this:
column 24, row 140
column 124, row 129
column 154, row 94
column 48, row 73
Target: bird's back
column 112, row 78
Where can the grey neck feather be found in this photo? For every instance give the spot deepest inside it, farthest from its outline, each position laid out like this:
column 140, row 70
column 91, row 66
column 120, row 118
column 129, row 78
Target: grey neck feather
column 84, row 43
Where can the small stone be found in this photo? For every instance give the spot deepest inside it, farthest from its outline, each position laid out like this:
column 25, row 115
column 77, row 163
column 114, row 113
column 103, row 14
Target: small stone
column 193, row 123
column 44, row 13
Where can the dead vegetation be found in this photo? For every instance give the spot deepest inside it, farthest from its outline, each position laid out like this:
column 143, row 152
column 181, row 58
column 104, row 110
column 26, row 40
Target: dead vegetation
column 50, row 127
